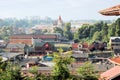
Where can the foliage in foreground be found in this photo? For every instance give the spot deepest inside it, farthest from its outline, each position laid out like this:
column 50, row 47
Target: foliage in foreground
column 87, row 72
column 9, row 72
column 62, row 60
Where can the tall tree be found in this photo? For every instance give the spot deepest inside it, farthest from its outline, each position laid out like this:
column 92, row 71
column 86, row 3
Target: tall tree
column 67, row 27
column 117, row 33
column 111, row 30
column 97, row 36
column 105, row 32
column 67, row 31
column 76, row 35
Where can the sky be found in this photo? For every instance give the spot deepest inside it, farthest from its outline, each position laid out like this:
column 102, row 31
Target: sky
column 68, row 9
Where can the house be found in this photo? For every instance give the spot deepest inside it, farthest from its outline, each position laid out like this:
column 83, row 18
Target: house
column 80, row 56
column 41, row 48
column 64, row 46
column 42, row 70
column 28, row 38
column 2, row 44
column 44, row 46
column 75, row 46
column 42, row 27
column 21, row 39
column 115, row 44
column 11, row 56
column 101, row 46
column 19, row 48
column 111, row 74
column 115, row 60
column 79, row 46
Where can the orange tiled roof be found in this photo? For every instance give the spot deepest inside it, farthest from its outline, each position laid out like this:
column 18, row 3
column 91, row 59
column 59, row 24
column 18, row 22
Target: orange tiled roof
column 111, row 73
column 112, row 11
column 115, row 60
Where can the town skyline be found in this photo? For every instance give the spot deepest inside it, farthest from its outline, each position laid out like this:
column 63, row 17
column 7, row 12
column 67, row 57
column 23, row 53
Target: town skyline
column 68, row 9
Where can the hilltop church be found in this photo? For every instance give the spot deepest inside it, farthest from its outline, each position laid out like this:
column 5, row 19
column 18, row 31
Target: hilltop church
column 60, row 23
column 49, row 28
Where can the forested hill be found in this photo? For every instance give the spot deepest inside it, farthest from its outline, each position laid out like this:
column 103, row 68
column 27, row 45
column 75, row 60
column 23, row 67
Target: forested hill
column 24, row 22
column 32, row 21
column 100, row 31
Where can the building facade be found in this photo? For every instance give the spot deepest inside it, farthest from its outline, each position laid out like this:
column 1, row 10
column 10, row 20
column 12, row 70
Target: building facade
column 28, row 38
column 115, row 44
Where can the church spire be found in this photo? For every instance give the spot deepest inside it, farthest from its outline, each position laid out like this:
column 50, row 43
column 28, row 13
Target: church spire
column 60, row 20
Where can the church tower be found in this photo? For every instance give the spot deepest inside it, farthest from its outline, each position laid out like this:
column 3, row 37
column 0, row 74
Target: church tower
column 60, row 23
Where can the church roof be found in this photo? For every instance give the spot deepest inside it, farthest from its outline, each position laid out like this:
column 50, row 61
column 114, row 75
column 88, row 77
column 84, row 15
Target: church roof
column 60, row 20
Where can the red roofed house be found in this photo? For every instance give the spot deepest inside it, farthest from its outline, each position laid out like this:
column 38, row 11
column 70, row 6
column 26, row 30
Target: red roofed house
column 27, row 39
column 111, row 74
column 115, row 60
column 77, row 46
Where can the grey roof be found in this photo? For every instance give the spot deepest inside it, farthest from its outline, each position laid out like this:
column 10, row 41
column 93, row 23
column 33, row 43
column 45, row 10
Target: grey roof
column 15, row 46
column 102, row 67
column 79, row 55
column 41, row 68
column 10, row 55
column 114, row 37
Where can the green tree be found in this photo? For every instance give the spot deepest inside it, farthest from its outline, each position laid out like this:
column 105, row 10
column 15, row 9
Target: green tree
column 45, row 31
column 9, row 71
column 117, row 33
column 97, row 36
column 84, row 31
column 67, row 31
column 99, row 26
column 87, row 72
column 111, row 30
column 67, row 27
column 104, row 32
column 34, row 70
column 58, row 30
column 6, row 32
column 76, row 35
column 61, row 71
column 37, row 76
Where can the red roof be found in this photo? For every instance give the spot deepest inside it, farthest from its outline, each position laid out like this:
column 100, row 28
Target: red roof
column 43, row 36
column 111, row 73
column 115, row 60
column 75, row 45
